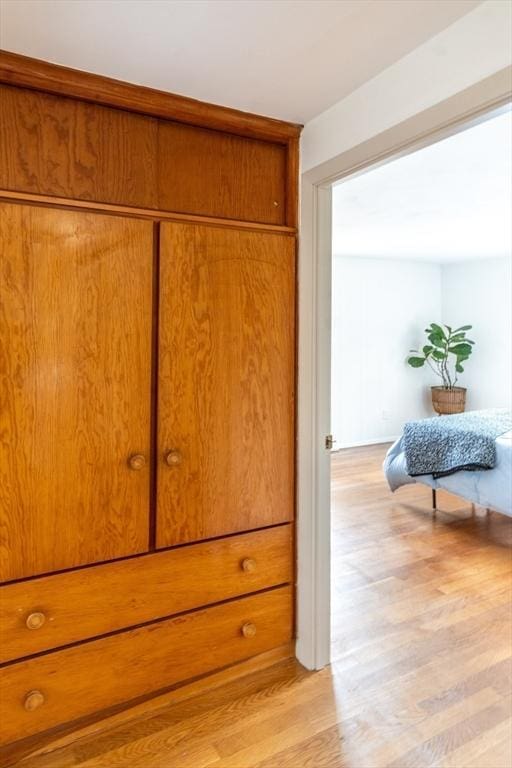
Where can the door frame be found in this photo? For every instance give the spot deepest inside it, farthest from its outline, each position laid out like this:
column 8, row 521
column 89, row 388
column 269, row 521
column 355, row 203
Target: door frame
column 468, row 107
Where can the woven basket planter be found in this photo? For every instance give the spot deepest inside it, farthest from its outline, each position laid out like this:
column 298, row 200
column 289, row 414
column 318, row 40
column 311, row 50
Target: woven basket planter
column 449, row 400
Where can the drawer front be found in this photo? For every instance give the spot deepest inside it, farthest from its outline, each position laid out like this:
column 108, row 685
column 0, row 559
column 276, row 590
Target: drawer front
column 59, row 687
column 49, row 612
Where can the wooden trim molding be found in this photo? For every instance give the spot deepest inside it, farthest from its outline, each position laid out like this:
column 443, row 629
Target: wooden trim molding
column 13, row 196
column 26, row 72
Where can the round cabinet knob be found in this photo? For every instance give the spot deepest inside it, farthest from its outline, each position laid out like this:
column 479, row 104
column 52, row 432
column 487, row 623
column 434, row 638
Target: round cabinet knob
column 248, row 629
column 173, row 458
column 35, row 620
column 33, row 700
column 137, row 461
column 248, row 565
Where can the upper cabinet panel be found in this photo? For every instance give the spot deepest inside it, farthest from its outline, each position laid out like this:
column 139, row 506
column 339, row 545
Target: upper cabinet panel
column 63, row 147
column 218, row 174
column 68, row 148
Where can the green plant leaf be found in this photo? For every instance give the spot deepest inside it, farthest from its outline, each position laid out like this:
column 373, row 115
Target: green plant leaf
column 416, row 362
column 449, row 329
column 427, row 350
column 438, row 355
column 461, row 349
column 438, row 330
column 463, row 328
column 436, row 340
column 459, row 368
column 460, row 337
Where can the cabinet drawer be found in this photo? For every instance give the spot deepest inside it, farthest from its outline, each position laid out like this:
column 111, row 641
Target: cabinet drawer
column 52, row 611
column 62, row 686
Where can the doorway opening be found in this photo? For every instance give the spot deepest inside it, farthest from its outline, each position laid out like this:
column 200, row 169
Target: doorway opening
column 424, row 239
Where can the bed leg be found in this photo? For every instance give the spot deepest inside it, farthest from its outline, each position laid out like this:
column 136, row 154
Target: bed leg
column 473, row 510
column 488, row 511
column 434, row 502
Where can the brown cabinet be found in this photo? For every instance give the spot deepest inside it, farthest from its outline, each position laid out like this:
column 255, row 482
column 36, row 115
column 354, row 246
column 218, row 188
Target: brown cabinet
column 147, row 391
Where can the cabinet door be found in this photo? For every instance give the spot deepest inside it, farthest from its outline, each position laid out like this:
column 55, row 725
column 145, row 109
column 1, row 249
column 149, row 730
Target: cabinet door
column 226, row 382
column 75, row 371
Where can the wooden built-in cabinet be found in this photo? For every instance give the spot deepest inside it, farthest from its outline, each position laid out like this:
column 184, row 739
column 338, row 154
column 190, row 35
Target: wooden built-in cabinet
column 147, row 392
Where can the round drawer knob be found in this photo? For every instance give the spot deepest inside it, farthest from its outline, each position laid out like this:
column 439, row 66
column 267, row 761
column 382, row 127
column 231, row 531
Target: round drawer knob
column 137, row 461
column 35, row 620
column 173, row 458
column 33, row 700
column 248, row 565
column 248, row 629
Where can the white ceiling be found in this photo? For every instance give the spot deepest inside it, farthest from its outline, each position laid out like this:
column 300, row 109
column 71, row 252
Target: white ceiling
column 289, row 59
column 448, row 202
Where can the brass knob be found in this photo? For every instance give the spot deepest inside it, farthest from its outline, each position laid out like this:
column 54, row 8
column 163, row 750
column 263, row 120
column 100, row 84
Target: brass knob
column 33, row 700
column 248, row 629
column 173, row 458
column 137, row 461
column 35, row 620
column 248, row 565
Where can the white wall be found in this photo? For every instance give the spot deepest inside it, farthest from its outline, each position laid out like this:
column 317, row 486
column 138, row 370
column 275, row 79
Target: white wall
column 380, row 309
column 479, row 293
column 471, row 49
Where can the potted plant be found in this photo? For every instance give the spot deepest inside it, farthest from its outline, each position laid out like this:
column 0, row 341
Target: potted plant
column 446, row 351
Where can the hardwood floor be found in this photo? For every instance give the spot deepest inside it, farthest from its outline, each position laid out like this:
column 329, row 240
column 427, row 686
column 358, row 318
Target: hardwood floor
column 422, row 654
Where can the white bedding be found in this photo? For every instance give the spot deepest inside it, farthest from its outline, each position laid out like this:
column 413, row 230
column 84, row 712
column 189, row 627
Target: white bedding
column 490, row 488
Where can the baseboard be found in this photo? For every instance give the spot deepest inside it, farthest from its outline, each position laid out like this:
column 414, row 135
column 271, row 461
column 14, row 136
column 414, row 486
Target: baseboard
column 362, row 443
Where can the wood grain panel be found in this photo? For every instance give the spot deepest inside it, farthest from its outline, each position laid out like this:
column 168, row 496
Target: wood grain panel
column 226, row 382
column 77, row 681
column 69, row 148
column 81, row 604
column 219, row 174
column 73, row 149
column 75, row 317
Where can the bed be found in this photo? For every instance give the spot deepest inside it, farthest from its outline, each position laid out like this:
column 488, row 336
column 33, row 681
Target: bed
column 489, row 488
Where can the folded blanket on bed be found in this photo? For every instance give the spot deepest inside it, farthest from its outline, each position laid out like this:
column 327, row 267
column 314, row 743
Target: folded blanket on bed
column 443, row 445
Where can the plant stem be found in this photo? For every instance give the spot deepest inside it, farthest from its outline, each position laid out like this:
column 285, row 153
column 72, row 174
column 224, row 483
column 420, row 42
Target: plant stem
column 432, row 367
